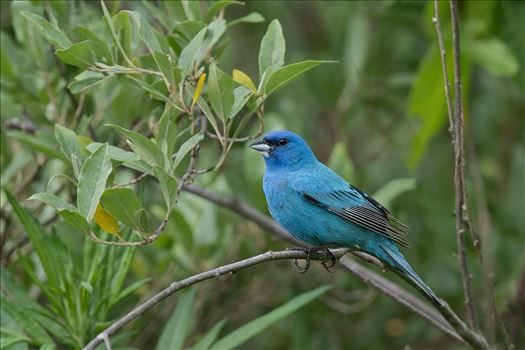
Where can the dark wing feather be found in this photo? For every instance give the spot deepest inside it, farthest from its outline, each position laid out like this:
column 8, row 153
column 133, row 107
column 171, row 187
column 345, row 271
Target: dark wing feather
column 361, row 209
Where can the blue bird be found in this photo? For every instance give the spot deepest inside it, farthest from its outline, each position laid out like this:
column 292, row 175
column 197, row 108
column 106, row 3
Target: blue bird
column 317, row 206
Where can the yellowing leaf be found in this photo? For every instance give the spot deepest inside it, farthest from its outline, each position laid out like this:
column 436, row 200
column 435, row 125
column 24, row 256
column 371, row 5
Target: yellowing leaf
column 198, row 89
column 243, row 78
column 106, row 221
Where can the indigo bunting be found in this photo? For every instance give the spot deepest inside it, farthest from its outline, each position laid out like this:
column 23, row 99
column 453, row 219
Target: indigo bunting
column 317, row 206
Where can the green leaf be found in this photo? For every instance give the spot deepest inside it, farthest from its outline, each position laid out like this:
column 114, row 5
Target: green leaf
column 394, row 188
column 73, row 218
column 205, row 342
column 39, row 239
column 52, row 200
column 220, row 92
column 427, row 102
column 146, row 32
column 51, row 31
column 176, row 330
column 249, row 330
column 163, row 62
column 78, row 54
column 273, row 47
column 241, row 96
column 25, row 320
column 92, row 181
column 287, row 74
column 129, row 290
column 149, row 88
column 186, row 147
column 85, row 80
column 254, row 17
column 115, row 153
column 340, row 162
column 122, row 203
column 356, row 48
column 168, row 186
column 37, row 143
column 495, row 56
column 167, row 132
column 70, row 146
column 217, row 6
column 146, row 149
column 189, row 53
column 68, row 141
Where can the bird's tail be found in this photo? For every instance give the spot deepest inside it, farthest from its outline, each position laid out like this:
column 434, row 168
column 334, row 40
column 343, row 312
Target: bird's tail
column 396, row 259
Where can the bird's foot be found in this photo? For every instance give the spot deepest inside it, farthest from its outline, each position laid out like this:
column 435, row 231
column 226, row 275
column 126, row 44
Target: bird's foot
column 327, row 264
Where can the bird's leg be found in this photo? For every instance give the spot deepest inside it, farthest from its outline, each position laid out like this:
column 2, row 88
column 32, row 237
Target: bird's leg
column 309, row 251
column 333, row 260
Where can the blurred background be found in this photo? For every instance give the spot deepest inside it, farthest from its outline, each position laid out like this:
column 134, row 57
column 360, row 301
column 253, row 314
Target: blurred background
column 377, row 116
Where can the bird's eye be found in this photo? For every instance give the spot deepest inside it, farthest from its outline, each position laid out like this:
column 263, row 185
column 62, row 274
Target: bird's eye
column 283, row 141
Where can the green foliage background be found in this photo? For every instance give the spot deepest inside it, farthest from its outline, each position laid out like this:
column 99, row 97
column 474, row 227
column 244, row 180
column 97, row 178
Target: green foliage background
column 377, row 116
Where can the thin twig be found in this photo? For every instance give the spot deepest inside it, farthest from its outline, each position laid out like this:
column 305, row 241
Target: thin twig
column 456, row 128
column 368, row 276
column 214, row 273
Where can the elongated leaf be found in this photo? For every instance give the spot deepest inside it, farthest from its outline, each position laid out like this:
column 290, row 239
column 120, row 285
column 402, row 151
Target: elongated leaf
column 186, row 147
column 287, row 74
column 73, row 218
column 85, row 80
column 243, row 333
column 92, row 182
column 163, row 62
column 205, row 342
column 198, row 89
column 115, row 153
column 129, row 290
column 106, row 221
column 254, row 17
column 146, row 32
column 495, row 56
column 78, row 54
column 70, row 146
column 39, row 239
column 167, row 131
column 394, row 188
column 54, row 201
column 38, row 144
column 189, row 53
column 23, row 319
column 168, row 186
column 174, row 333
column 217, row 6
column 68, row 141
column 244, row 79
column 122, row 203
column 146, row 149
column 241, row 96
column 149, row 88
column 220, row 92
column 273, row 47
column 51, row 32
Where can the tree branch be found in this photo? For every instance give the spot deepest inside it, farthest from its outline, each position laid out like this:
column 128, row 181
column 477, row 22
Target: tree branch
column 368, row 276
column 214, row 273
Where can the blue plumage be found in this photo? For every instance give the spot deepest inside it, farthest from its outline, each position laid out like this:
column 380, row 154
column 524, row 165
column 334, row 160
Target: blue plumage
column 320, row 208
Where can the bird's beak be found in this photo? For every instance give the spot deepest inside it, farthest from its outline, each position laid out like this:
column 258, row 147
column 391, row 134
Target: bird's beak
column 262, row 147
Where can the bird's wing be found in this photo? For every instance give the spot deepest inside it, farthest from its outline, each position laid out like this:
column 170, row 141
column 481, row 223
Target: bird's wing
column 359, row 208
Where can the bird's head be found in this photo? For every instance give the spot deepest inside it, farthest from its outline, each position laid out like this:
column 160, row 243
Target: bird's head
column 284, row 150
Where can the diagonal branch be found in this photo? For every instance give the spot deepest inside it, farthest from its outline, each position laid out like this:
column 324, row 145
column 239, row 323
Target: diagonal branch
column 459, row 331
column 203, row 276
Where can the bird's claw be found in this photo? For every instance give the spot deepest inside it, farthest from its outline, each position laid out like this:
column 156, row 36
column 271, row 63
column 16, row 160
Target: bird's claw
column 327, row 264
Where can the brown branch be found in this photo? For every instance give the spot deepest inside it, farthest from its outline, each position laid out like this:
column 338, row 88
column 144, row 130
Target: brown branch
column 456, row 128
column 203, row 276
column 459, row 331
